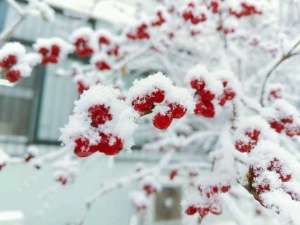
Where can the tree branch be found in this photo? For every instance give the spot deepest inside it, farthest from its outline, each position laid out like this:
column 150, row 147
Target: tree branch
column 286, row 56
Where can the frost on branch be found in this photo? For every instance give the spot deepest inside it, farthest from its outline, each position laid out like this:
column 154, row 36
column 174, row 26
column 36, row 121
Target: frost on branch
column 100, row 122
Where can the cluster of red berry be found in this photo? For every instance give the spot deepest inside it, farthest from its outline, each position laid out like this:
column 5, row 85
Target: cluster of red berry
column 49, row 54
column 139, row 33
column 275, row 93
column 213, row 189
column 162, row 120
column 213, row 206
column 102, row 65
column 159, row 20
column 214, row 6
column 6, row 64
column 228, row 94
column 247, row 10
column 283, row 121
column 189, row 14
column 109, row 144
column 264, row 185
column 225, row 30
column 248, row 141
column 204, row 105
column 83, row 48
column 61, row 180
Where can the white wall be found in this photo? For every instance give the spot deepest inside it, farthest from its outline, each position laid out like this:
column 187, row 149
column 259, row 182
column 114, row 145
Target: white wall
column 22, row 188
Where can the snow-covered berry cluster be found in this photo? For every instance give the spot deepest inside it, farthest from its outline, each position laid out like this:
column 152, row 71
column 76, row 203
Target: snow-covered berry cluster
column 271, row 168
column 156, row 95
column 245, row 8
column 274, row 92
column 283, row 117
column 150, row 185
column 212, row 90
column 52, row 50
column 203, row 206
column 100, row 123
column 250, row 132
column 101, row 62
column 14, row 62
column 84, row 41
column 194, row 13
column 66, row 170
column 139, row 200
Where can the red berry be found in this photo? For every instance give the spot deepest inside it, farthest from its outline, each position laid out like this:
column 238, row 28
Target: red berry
column 173, row 174
column 206, row 109
column 243, row 147
column 187, row 15
column 229, row 93
column 55, row 50
column 287, row 120
column 277, row 125
column 215, row 189
column 13, row 76
column 254, row 135
column 8, row 61
column 276, row 166
column 102, row 65
column 197, row 84
column 203, row 211
column 158, row 96
column 99, row 114
column 222, row 100
column 162, row 121
column 225, row 188
column 104, row 40
column 142, row 104
column 178, row 111
column 43, row 51
column 191, row 210
column 109, row 144
column 81, row 87
column 149, row 189
column 82, row 147
column 207, row 95
column 28, row 157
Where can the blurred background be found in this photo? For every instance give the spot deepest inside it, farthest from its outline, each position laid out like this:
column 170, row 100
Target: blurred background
column 31, row 114
column 33, row 111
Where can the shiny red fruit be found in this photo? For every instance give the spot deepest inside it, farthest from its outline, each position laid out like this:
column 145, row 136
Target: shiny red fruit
column 142, row 104
column 191, row 210
column 178, row 111
column 8, row 61
column 205, row 109
column 13, row 76
column 158, row 96
column 82, row 147
column 162, row 121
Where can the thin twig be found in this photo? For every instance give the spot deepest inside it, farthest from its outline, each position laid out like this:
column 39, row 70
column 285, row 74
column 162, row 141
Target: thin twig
column 284, row 57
